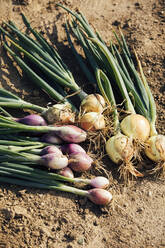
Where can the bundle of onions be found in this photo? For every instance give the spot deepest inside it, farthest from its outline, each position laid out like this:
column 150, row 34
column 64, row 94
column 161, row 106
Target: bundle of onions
column 140, row 123
column 67, row 133
column 31, row 177
column 55, row 160
column 35, row 56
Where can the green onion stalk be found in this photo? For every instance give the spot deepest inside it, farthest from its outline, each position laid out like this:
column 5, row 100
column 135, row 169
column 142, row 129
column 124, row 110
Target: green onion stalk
column 29, row 177
column 44, row 66
column 100, row 56
column 135, row 92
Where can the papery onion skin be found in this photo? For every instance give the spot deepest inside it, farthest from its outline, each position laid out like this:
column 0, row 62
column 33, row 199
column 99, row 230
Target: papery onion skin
column 53, row 161
column 93, row 103
column 60, row 113
column 99, row 196
column 32, row 120
column 92, row 121
column 51, row 149
column 155, row 148
column 99, row 182
column 72, row 148
column 80, row 161
column 120, row 148
column 136, row 126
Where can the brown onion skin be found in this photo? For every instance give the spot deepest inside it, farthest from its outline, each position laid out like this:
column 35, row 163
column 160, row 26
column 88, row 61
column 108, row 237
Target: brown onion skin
column 99, row 196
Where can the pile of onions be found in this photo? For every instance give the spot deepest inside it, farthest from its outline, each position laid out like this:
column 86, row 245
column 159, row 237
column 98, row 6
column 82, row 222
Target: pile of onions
column 91, row 110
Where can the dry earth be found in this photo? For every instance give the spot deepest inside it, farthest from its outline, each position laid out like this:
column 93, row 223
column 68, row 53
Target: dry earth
column 32, row 218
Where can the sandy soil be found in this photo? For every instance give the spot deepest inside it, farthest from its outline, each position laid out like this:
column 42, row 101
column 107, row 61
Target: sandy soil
column 46, row 219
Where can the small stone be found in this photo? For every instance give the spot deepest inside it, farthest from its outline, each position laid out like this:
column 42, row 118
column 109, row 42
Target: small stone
column 80, row 241
column 149, row 193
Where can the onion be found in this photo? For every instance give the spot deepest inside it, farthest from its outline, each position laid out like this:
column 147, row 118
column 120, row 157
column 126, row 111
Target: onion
column 71, row 134
column 80, row 161
column 155, row 148
column 52, row 138
column 51, row 149
column 93, row 103
column 53, row 161
column 66, row 172
column 32, row 120
column 60, row 113
column 99, row 182
column 136, row 126
column 99, row 196
column 92, row 121
column 120, row 148
column 72, row 148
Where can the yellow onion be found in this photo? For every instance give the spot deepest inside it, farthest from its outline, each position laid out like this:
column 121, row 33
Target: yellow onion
column 61, row 113
column 92, row 121
column 93, row 103
column 136, row 126
column 120, row 148
column 155, row 148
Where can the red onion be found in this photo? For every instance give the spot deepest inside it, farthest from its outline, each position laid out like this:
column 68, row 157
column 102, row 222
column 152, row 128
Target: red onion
column 66, row 172
column 71, row 134
column 51, row 149
column 99, row 196
column 52, row 138
column 80, row 161
column 53, row 161
column 99, row 182
column 32, row 120
column 72, row 148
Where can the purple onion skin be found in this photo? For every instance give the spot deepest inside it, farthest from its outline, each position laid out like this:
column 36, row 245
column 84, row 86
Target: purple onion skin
column 51, row 149
column 80, row 161
column 72, row 148
column 99, row 196
column 52, row 138
column 66, row 172
column 99, row 182
column 53, row 161
column 71, row 134
column 32, row 120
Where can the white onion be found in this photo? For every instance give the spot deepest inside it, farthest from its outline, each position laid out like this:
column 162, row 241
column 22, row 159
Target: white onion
column 120, row 148
column 92, row 121
column 155, row 148
column 93, row 103
column 136, row 126
column 60, row 113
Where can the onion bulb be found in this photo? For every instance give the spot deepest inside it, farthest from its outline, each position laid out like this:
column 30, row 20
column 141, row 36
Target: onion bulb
column 32, row 120
column 51, row 149
column 155, row 148
column 72, row 148
column 93, row 103
column 136, row 126
column 80, row 161
column 60, row 113
column 120, row 149
column 66, row 172
column 99, row 196
column 53, row 161
column 92, row 121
